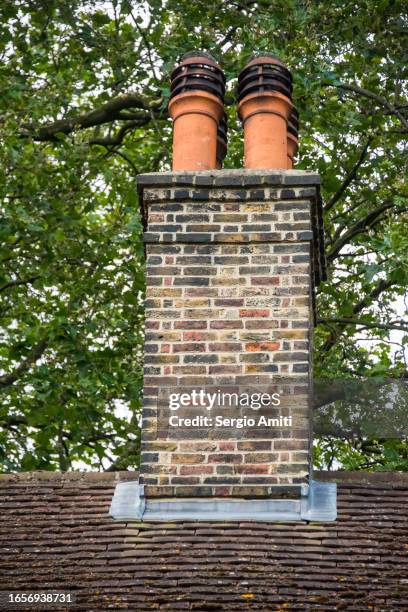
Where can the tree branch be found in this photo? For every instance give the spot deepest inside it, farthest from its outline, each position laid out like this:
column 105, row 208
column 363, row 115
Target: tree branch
column 327, row 390
column 25, row 281
column 13, row 421
column 357, row 228
column 334, row 336
column 342, row 215
column 115, row 141
column 373, row 96
column 350, row 177
column 9, row 379
column 381, row 286
column 111, row 111
column 125, row 457
column 367, row 324
column 148, row 47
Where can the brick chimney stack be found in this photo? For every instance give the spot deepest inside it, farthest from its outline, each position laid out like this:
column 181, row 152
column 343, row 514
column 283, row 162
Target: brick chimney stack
column 233, row 257
column 232, row 261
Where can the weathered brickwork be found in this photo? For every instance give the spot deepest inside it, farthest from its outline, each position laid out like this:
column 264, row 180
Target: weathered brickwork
column 231, row 269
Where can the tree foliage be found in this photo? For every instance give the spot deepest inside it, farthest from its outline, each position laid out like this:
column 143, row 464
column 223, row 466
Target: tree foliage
column 84, row 109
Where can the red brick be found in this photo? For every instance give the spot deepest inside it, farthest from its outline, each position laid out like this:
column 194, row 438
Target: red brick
column 265, row 280
column 152, row 324
column 254, row 445
column 189, row 348
column 190, row 324
column 256, row 324
column 187, row 458
column 224, row 458
column 226, row 369
column 227, row 446
column 225, row 346
column 185, row 480
column 222, row 491
column 189, row 370
column 254, row 312
column 261, row 457
column 252, row 469
column 196, row 336
column 187, row 470
column 201, row 291
column 253, row 347
column 156, row 217
column 198, row 446
column 226, row 324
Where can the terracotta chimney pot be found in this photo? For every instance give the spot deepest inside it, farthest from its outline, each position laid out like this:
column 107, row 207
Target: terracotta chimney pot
column 293, row 136
column 264, row 116
column 265, row 104
column 292, row 149
column 195, row 117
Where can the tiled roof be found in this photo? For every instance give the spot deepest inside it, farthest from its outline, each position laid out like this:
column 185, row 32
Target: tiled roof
column 56, row 534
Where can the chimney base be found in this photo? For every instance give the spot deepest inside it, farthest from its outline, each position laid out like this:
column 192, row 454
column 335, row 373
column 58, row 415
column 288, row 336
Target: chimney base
column 317, row 502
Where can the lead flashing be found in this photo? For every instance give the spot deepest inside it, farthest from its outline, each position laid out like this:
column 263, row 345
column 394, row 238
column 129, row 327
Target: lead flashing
column 317, row 503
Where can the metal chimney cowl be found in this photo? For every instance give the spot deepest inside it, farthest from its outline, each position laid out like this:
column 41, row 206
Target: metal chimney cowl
column 196, row 107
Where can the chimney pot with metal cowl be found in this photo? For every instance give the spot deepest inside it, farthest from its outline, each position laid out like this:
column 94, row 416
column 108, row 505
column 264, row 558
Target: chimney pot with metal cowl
column 196, row 107
column 264, row 106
